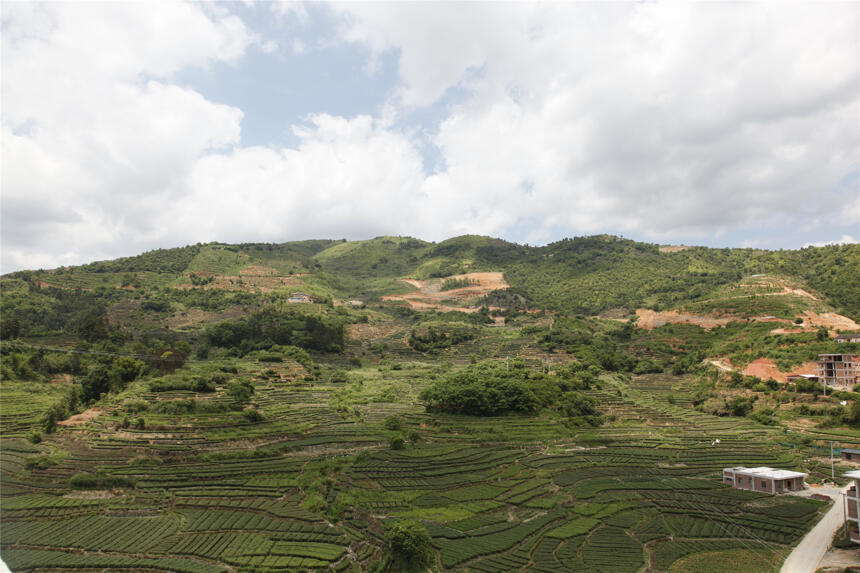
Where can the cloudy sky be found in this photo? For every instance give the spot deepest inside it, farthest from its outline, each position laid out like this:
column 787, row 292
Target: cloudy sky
column 128, row 127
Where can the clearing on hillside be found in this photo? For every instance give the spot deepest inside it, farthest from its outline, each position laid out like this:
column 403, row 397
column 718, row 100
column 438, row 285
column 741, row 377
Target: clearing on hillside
column 431, row 294
column 765, row 368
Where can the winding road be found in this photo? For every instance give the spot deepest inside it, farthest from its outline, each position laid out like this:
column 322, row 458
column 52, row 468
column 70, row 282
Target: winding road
column 808, row 553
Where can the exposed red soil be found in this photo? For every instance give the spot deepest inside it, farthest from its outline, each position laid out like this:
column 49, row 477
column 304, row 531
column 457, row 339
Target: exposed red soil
column 786, row 330
column 766, row 368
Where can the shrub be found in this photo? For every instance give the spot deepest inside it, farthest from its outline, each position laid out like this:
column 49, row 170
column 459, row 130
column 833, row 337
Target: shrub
column 240, row 390
column 253, row 415
column 202, row 385
column 397, row 443
column 135, row 406
column 392, row 423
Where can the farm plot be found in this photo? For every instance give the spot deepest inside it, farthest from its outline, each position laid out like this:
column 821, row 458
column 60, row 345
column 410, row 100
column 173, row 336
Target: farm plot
column 313, row 484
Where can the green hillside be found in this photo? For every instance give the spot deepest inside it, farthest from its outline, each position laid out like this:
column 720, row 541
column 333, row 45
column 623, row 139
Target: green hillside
column 401, row 405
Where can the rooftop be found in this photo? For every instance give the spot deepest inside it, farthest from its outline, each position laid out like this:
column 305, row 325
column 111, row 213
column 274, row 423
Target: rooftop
column 855, row 474
column 769, row 473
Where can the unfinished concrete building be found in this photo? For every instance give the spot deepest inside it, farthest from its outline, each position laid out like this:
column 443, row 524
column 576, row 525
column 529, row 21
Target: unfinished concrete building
column 837, row 369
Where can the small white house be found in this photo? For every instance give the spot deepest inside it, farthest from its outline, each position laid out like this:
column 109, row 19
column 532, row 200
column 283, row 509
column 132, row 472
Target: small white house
column 764, row 479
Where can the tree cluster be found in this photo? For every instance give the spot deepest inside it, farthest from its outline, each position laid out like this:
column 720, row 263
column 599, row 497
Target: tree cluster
column 495, row 387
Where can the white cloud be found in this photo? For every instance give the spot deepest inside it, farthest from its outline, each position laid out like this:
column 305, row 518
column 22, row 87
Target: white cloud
column 346, row 175
column 666, row 121
column 844, row 240
column 94, row 137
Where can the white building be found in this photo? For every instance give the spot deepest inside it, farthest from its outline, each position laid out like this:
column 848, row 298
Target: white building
column 764, row 479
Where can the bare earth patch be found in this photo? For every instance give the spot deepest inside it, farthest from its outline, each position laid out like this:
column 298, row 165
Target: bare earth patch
column 723, row 364
column 786, row 330
column 430, row 296
column 830, row 320
column 82, row 418
column 673, row 248
column 62, row 379
column 258, row 271
column 766, row 368
column 651, row 319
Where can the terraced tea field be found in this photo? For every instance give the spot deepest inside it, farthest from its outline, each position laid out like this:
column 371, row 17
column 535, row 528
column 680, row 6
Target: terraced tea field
column 312, row 483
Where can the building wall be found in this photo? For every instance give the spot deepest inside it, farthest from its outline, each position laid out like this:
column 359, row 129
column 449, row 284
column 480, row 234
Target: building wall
column 837, row 370
column 746, row 481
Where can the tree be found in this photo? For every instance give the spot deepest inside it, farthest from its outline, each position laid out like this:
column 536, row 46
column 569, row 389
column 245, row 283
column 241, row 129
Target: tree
column 127, row 369
column 167, row 360
column 409, row 542
column 92, row 326
column 96, row 382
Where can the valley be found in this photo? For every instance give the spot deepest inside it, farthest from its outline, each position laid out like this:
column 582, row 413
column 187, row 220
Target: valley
column 400, row 405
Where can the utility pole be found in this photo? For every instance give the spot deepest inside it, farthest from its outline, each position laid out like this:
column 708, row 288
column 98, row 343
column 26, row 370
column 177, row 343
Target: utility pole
column 507, row 363
column 832, row 472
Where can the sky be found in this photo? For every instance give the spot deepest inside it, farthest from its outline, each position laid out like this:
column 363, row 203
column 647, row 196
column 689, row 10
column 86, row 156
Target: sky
column 128, row 127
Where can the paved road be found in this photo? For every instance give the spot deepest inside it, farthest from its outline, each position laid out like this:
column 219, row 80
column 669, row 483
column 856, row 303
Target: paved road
column 807, row 554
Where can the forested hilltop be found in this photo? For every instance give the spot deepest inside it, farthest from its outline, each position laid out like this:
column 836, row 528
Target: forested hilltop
column 582, row 275
column 396, row 404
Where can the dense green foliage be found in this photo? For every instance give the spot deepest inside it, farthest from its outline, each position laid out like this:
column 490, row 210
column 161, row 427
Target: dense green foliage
column 410, row 542
column 431, row 337
column 270, row 326
column 490, row 388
